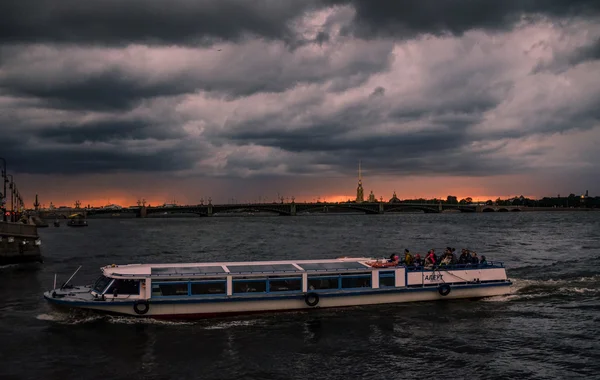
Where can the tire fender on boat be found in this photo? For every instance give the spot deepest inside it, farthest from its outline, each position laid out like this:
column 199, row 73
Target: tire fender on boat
column 145, row 307
column 444, row 289
column 311, row 299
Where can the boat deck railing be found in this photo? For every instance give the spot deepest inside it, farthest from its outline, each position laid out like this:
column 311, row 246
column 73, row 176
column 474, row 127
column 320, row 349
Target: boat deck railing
column 411, row 268
column 487, row 265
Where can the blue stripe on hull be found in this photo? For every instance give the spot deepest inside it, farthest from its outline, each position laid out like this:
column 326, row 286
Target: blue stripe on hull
column 300, row 296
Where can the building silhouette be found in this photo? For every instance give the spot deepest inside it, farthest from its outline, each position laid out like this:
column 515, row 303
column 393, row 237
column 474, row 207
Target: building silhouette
column 394, row 198
column 372, row 198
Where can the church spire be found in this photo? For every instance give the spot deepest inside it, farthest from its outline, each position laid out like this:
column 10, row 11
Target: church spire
column 359, row 190
column 359, row 173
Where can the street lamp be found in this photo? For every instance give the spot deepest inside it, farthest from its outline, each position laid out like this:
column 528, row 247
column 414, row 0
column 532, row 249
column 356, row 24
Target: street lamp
column 4, row 181
column 12, row 193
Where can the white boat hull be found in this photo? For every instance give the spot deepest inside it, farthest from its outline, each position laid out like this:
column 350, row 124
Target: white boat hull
column 248, row 304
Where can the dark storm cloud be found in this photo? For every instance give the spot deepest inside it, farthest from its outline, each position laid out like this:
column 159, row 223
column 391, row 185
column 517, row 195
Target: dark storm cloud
column 84, row 161
column 42, row 158
column 413, row 17
column 118, row 22
column 104, row 91
column 94, row 82
column 96, row 147
column 106, row 131
column 439, row 146
column 586, row 53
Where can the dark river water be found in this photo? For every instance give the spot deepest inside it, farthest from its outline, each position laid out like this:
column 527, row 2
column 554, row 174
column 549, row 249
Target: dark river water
column 549, row 328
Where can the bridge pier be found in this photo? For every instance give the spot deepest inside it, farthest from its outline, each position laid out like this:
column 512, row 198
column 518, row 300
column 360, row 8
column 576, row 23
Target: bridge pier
column 293, row 209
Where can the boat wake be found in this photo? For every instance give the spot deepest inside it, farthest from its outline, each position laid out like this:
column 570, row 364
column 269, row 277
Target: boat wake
column 8, row 266
column 68, row 319
column 527, row 289
column 144, row 321
column 232, row 324
column 80, row 318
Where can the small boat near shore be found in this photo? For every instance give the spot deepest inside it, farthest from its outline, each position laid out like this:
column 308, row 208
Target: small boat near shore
column 77, row 220
column 198, row 290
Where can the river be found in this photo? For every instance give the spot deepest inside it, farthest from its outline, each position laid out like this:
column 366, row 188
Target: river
column 547, row 329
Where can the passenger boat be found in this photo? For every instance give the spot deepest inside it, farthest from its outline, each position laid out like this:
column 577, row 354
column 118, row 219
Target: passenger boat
column 198, row 290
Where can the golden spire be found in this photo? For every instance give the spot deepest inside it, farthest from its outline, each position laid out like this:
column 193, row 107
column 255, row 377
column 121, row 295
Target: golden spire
column 359, row 190
column 359, row 173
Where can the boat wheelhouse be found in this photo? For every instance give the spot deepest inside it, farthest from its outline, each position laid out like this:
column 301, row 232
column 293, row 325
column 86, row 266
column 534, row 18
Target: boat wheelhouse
column 210, row 289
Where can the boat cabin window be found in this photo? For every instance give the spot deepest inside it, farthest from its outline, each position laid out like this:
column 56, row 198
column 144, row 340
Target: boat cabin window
column 101, row 283
column 124, row 287
column 250, row 286
column 165, row 289
column 285, row 284
column 356, row 280
column 387, row 279
column 323, row 282
column 209, row 287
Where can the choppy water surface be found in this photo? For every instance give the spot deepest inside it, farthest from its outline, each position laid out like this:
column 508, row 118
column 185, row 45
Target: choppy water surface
column 548, row 329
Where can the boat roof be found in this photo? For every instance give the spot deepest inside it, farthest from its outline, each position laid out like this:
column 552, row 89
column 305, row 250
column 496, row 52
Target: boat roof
column 237, row 268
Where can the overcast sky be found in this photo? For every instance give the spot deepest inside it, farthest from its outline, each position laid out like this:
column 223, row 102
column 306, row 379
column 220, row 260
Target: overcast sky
column 118, row 100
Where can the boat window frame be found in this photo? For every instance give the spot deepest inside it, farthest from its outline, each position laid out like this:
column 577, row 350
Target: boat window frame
column 337, row 277
column 106, row 287
column 213, row 281
column 139, row 287
column 169, row 283
column 387, row 274
column 235, row 280
column 361, row 276
column 284, row 279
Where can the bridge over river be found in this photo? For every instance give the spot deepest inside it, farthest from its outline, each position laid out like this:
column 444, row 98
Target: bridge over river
column 287, row 209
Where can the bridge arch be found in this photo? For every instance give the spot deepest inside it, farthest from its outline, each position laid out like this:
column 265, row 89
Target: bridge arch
column 360, row 207
column 323, row 208
column 274, row 210
column 156, row 212
column 413, row 207
column 488, row 209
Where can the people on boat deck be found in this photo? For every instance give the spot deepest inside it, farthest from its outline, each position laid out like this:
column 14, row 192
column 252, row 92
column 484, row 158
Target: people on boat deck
column 431, row 260
column 449, row 258
column 408, row 258
column 417, row 262
column 464, row 257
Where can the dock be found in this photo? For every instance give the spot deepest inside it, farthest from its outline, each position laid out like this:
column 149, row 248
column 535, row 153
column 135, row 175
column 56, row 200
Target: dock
column 19, row 243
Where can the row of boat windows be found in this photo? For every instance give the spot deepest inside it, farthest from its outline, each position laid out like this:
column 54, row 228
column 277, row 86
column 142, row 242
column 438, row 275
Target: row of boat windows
column 268, row 285
column 258, row 285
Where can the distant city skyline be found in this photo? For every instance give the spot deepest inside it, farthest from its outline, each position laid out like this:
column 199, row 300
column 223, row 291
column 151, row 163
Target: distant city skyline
column 360, row 190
